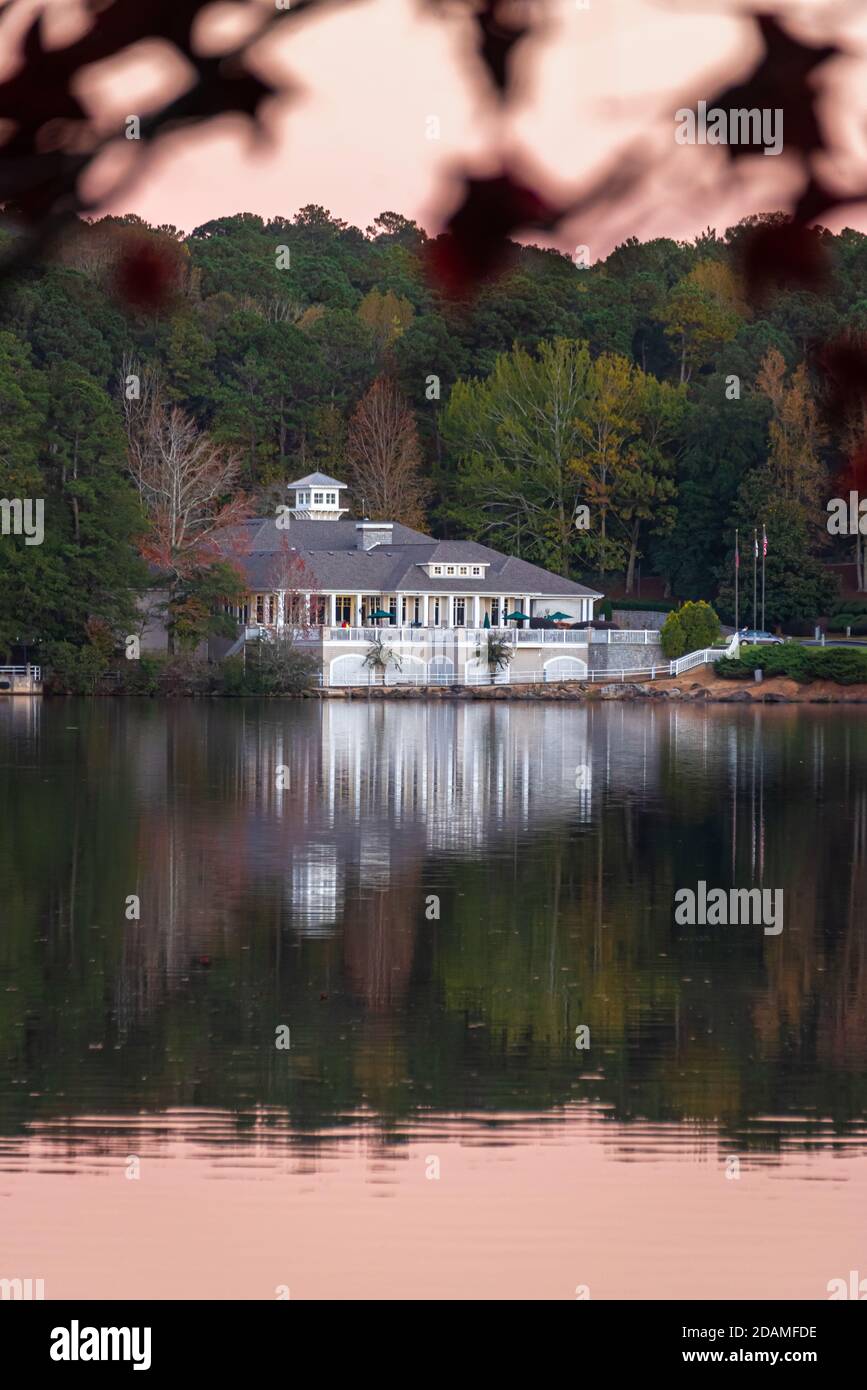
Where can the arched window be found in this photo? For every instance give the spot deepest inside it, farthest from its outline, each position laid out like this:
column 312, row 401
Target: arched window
column 440, row 670
column 565, row 668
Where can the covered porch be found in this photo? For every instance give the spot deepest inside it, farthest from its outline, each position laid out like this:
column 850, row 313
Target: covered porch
column 421, row 610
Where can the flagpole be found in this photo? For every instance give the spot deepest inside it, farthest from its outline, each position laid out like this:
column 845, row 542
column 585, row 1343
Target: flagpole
column 755, row 566
column 764, row 552
column 737, row 569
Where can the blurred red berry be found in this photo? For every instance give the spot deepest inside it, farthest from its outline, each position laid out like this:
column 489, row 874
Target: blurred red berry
column 782, row 256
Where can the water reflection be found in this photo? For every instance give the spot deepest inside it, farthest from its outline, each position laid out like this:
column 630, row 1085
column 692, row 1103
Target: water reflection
column 433, row 897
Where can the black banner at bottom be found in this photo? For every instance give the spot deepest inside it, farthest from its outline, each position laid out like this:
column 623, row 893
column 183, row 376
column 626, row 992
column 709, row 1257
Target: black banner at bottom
column 82, row 1338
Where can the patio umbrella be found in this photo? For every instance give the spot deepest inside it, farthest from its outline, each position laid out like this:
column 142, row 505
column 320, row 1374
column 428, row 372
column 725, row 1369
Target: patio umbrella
column 487, row 622
column 379, row 613
column 558, row 617
column 517, row 618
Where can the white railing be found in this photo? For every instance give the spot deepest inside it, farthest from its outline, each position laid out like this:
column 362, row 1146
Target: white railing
column 463, row 636
column 34, row 671
column 706, row 657
column 639, row 636
column 546, row 636
column 475, row 677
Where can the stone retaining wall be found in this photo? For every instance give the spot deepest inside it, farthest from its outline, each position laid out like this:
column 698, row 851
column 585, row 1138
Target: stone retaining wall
column 624, row 656
column 638, row 618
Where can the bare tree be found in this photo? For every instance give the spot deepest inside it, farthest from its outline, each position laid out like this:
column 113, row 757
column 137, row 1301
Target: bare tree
column 384, row 457
column 186, row 484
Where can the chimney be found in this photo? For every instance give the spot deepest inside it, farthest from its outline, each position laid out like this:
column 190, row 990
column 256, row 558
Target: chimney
column 371, row 533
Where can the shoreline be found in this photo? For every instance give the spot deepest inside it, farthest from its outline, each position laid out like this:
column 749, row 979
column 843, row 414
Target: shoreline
column 778, row 691
column 701, row 686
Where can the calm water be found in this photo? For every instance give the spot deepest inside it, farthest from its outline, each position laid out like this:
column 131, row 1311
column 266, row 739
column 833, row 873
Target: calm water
column 431, row 898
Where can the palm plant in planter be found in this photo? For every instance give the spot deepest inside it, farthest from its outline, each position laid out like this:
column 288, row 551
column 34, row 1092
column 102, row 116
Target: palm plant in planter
column 379, row 657
column 497, row 652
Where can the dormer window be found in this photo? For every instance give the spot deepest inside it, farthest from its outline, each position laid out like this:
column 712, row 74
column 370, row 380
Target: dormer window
column 450, row 569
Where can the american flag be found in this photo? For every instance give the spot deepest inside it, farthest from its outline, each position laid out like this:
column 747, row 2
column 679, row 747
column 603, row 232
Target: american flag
column 764, row 543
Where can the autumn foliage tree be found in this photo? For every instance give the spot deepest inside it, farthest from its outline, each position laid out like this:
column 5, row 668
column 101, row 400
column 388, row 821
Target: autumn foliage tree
column 384, row 457
column 796, row 436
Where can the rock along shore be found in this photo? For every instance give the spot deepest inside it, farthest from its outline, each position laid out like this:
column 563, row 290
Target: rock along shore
column 701, row 686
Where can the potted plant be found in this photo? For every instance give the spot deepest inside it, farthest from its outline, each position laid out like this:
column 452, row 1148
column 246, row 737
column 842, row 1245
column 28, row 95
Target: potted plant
column 497, row 652
column 379, row 657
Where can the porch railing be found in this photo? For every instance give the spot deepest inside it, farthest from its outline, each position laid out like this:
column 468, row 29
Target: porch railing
column 626, row 636
column 34, row 671
column 468, row 636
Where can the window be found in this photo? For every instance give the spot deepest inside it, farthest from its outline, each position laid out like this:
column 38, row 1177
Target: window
column 318, row 499
column 318, row 615
column 450, row 569
column 477, row 569
column 435, row 613
column 495, row 612
column 331, row 499
column 260, row 608
column 410, row 611
column 460, row 612
column 343, row 605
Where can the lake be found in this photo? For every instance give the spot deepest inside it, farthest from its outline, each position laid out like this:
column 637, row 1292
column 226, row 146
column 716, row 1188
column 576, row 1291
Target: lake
column 388, row 1000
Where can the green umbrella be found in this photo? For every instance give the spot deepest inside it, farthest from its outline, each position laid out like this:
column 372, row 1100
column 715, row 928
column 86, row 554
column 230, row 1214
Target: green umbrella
column 558, row 617
column 379, row 613
column 517, row 618
column 487, row 622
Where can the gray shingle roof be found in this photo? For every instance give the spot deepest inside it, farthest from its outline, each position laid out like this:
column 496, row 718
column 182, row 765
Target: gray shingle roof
column 316, row 480
column 332, row 560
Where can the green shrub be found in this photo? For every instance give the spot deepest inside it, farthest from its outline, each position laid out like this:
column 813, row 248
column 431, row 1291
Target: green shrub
column 731, row 669
column 143, row 677
column 791, row 659
column 845, row 665
column 700, row 625
column 672, row 637
column 643, row 605
column 278, row 667
column 689, row 628
column 72, row 670
column 232, row 675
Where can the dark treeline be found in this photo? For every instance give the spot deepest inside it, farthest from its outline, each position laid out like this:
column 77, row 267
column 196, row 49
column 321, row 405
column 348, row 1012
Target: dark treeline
column 590, row 419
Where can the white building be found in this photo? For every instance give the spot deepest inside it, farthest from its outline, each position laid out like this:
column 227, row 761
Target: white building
column 434, row 603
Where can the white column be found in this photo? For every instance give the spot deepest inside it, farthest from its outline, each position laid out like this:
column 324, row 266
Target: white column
column 281, row 609
column 424, row 610
column 358, row 599
column 333, row 610
column 525, row 605
column 476, row 608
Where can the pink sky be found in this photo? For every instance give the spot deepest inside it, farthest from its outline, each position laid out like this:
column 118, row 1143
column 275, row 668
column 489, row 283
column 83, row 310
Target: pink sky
column 595, row 81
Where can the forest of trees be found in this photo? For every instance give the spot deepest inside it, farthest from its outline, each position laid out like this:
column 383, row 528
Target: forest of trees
column 588, row 419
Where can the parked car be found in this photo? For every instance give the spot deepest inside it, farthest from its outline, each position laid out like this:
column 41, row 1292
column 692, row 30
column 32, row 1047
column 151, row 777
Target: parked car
column 752, row 634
